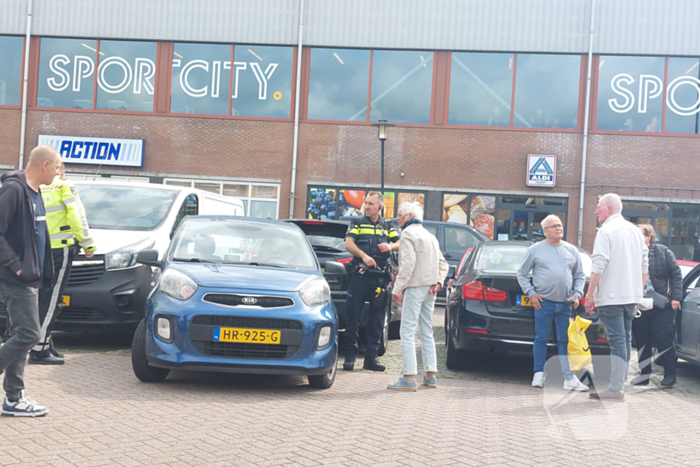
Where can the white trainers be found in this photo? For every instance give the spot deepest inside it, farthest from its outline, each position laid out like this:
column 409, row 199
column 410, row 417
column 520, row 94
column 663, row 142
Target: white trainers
column 647, row 304
column 24, row 407
column 538, row 380
column 575, row 385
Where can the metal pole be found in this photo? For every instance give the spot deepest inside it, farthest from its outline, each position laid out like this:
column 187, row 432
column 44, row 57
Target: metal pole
column 382, row 167
column 23, row 125
column 292, row 195
column 585, row 126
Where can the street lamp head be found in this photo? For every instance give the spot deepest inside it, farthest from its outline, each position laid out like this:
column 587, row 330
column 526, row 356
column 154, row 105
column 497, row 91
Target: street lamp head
column 382, row 126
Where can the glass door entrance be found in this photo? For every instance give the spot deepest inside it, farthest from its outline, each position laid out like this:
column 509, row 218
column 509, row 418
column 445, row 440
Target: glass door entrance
column 524, row 221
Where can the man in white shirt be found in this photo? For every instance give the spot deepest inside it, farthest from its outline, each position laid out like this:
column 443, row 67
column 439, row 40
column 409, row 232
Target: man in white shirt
column 618, row 274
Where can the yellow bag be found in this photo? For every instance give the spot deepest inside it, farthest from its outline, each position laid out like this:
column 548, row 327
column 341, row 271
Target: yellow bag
column 578, row 350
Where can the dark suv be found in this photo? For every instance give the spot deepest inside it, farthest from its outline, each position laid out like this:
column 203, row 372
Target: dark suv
column 328, row 241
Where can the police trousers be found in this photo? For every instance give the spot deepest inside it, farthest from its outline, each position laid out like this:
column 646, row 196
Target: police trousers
column 51, row 298
column 361, row 290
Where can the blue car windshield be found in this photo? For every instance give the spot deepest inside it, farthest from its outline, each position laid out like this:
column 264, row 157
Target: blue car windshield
column 114, row 207
column 242, row 242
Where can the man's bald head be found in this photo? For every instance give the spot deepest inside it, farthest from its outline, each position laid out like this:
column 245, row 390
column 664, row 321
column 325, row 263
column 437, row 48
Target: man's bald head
column 41, row 154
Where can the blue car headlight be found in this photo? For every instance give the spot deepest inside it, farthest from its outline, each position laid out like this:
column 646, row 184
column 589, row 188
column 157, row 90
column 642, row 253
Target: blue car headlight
column 176, row 284
column 316, row 292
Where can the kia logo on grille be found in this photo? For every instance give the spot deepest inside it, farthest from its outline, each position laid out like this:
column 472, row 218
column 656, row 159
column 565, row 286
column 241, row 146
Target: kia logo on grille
column 249, row 300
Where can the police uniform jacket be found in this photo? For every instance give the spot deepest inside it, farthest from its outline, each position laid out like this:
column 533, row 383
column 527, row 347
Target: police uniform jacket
column 368, row 235
column 65, row 216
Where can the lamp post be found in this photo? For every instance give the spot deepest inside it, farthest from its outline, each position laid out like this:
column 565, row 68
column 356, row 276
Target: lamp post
column 382, row 126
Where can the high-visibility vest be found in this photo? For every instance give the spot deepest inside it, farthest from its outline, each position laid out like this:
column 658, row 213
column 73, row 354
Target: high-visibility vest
column 65, row 216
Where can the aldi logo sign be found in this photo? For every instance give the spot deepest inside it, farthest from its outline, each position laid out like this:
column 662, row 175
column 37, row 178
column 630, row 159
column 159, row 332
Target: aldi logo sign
column 96, row 151
column 541, row 170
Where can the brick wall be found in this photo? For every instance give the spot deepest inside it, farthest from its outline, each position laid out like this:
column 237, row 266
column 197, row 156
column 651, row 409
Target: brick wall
column 648, row 166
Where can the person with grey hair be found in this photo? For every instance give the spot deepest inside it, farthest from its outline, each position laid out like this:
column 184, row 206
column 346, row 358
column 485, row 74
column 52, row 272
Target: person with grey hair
column 618, row 275
column 422, row 270
column 556, row 284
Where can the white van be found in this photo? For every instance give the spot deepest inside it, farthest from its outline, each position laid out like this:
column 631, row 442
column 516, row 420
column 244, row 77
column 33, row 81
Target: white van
column 110, row 289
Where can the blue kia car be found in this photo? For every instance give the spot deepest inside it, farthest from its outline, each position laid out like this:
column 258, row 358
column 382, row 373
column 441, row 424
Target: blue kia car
column 241, row 295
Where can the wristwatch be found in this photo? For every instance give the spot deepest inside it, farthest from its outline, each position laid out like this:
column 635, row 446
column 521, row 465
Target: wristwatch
column 589, row 297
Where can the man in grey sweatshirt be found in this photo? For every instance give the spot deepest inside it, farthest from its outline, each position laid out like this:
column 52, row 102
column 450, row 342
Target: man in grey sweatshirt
column 557, row 282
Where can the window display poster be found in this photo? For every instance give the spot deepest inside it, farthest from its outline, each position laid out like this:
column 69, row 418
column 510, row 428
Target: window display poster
column 455, row 208
column 481, row 214
column 322, row 203
column 411, row 198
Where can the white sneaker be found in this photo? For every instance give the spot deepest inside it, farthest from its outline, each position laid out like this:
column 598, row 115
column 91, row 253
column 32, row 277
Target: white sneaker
column 538, row 380
column 24, row 407
column 646, row 304
column 575, row 385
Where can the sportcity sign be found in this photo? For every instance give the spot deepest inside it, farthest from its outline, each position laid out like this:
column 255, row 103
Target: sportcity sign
column 650, row 87
column 69, row 74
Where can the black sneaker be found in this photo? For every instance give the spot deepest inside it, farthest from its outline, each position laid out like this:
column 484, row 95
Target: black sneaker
column 373, row 365
column 53, row 350
column 349, row 365
column 44, row 358
column 669, row 381
column 641, row 380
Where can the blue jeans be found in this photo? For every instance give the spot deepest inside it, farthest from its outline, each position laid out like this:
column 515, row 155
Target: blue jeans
column 417, row 311
column 22, row 305
column 617, row 320
column 559, row 313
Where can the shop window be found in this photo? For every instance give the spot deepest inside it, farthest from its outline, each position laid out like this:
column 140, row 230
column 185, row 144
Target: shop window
column 481, row 85
column 261, row 191
column 263, row 209
column 338, row 84
column 482, row 209
column 455, row 208
column 123, row 71
column 547, row 91
column 683, row 95
column 211, row 187
column 630, row 93
column 262, row 81
column 335, row 203
column 240, row 191
column 11, row 48
column 66, row 73
column 201, row 79
column 686, row 211
column 406, row 197
column 125, row 75
column 401, row 86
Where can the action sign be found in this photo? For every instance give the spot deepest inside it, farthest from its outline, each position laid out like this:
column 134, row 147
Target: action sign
column 541, row 170
column 98, row 151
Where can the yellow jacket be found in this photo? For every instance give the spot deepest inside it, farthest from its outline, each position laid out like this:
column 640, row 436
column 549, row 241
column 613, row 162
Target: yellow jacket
column 65, row 216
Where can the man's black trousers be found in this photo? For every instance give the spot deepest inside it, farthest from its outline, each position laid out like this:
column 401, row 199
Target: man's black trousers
column 51, row 298
column 655, row 328
column 361, row 290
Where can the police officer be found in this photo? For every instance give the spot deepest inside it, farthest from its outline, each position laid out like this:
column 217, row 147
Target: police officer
column 370, row 240
column 68, row 230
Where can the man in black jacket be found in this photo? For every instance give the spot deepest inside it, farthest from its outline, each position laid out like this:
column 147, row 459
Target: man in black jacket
column 25, row 265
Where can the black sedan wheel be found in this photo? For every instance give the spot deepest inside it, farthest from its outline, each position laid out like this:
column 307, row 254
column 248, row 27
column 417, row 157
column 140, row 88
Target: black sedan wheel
column 139, row 362
column 457, row 359
column 326, row 381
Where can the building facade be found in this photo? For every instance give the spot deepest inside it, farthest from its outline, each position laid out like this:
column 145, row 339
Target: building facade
column 489, row 99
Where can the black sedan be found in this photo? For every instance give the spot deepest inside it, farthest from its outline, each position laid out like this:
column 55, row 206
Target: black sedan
column 328, row 241
column 487, row 311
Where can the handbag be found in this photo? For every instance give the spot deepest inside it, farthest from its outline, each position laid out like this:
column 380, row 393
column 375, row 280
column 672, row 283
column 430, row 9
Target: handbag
column 660, row 300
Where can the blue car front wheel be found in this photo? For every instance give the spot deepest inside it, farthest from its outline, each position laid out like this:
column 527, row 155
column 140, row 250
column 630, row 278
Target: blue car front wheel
column 325, row 381
column 139, row 362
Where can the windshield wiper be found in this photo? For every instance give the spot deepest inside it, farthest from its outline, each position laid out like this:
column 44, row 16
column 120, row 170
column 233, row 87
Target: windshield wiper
column 192, row 260
column 253, row 263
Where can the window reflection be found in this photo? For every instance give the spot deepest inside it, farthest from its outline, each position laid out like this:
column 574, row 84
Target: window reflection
column 547, row 91
column 338, row 84
column 201, row 79
column 683, row 95
column 262, row 81
column 621, row 105
column 66, row 73
column 11, row 71
column 125, row 75
column 401, row 86
column 481, row 86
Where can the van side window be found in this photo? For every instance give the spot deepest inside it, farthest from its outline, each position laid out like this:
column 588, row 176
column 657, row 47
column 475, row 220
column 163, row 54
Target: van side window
column 190, row 207
column 457, row 240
